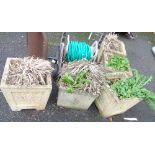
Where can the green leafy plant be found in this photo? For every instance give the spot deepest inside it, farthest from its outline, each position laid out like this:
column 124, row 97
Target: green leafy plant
column 118, row 62
column 82, row 75
column 134, row 87
column 76, row 82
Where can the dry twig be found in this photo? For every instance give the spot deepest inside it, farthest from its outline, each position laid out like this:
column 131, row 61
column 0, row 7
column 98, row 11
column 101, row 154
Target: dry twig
column 28, row 72
column 111, row 42
column 96, row 74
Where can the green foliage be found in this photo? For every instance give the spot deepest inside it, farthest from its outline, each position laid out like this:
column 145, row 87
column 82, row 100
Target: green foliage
column 70, row 89
column 66, row 78
column 118, row 62
column 77, row 82
column 134, row 87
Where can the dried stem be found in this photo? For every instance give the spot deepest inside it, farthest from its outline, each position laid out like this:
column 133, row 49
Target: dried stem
column 96, row 74
column 29, row 71
column 111, row 42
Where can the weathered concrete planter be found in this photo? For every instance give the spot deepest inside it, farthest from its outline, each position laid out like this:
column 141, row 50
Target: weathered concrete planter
column 114, row 74
column 75, row 100
column 22, row 97
column 109, row 104
column 102, row 50
column 122, row 50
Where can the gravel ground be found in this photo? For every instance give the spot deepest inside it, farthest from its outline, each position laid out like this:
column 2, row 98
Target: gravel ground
column 140, row 56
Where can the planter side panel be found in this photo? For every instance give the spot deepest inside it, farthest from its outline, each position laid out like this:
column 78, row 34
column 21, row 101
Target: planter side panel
column 26, row 99
column 75, row 100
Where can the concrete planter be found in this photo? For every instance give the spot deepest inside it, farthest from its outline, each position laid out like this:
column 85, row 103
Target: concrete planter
column 102, row 51
column 109, row 104
column 122, row 50
column 22, row 97
column 113, row 74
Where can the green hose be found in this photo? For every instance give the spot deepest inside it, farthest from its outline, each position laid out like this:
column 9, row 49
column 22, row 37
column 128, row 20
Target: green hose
column 78, row 51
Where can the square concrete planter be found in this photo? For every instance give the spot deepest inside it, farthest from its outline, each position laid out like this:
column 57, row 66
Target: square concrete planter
column 22, row 97
column 76, row 100
column 102, row 51
column 109, row 104
column 122, row 50
column 114, row 74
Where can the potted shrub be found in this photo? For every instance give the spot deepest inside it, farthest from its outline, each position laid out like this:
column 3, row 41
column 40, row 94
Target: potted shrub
column 26, row 83
column 119, row 96
column 79, row 85
column 117, row 65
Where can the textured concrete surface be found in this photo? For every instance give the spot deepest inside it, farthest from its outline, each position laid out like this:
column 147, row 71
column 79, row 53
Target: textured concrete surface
column 140, row 56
